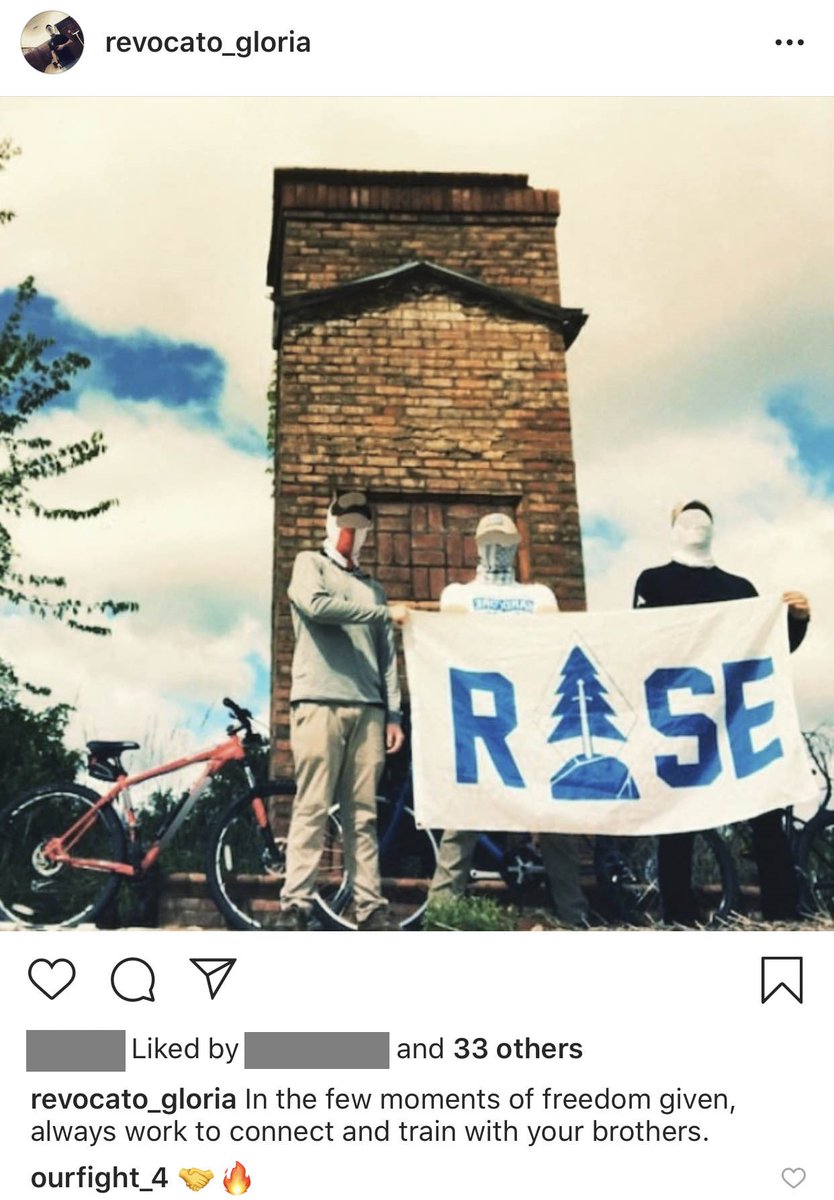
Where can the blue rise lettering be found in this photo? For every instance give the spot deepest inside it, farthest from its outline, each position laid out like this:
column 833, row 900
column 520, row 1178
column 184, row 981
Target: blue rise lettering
column 492, row 730
column 707, row 766
column 741, row 721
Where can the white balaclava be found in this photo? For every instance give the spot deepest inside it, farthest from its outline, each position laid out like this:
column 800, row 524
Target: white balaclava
column 692, row 531
column 497, row 540
column 348, row 522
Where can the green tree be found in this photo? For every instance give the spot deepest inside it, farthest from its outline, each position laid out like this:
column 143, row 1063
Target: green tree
column 31, row 744
column 29, row 379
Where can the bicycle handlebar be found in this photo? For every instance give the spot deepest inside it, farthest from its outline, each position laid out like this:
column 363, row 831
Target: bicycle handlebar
column 242, row 715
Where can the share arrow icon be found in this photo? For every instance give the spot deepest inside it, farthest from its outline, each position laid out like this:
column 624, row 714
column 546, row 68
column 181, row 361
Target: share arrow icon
column 216, row 971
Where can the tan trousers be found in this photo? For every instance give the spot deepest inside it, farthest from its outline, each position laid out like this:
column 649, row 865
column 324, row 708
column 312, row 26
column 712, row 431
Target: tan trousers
column 339, row 753
column 560, row 858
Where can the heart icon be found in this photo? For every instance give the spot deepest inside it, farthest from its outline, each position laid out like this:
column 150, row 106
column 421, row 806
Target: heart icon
column 51, row 978
column 793, row 1176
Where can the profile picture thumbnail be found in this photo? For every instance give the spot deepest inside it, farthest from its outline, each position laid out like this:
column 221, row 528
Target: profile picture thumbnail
column 52, row 42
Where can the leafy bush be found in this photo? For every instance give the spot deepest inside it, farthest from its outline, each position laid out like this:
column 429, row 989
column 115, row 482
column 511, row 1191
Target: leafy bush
column 468, row 914
column 31, row 743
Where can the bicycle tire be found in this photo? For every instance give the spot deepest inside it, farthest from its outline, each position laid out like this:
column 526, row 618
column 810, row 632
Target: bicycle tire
column 246, row 860
column 44, row 895
column 407, row 861
column 626, row 869
column 815, row 866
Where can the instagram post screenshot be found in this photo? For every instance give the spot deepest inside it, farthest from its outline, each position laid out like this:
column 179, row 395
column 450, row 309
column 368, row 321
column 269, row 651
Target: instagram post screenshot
column 416, row 517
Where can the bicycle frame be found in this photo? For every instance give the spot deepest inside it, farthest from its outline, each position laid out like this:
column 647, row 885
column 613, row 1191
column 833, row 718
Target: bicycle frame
column 401, row 797
column 59, row 849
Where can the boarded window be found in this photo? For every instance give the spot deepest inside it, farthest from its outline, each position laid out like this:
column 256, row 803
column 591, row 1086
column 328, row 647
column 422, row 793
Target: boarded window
column 419, row 544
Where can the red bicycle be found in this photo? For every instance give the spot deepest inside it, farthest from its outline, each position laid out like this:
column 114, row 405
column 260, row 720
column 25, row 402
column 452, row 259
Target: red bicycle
column 64, row 849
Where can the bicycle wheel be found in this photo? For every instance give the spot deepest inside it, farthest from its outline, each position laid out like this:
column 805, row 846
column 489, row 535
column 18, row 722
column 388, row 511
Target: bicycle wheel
column 44, row 894
column 407, row 859
column 626, row 870
column 815, row 866
column 508, row 862
column 247, row 852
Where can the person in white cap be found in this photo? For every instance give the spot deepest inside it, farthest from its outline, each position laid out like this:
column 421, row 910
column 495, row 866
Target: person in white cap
column 495, row 589
column 693, row 578
column 344, row 713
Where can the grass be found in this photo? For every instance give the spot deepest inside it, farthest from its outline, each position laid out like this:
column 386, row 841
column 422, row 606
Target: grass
column 469, row 914
column 473, row 913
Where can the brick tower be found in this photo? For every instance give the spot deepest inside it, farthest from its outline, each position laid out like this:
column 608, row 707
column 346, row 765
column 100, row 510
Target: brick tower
column 421, row 356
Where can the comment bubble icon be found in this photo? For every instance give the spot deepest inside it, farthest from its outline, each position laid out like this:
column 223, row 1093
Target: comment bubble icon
column 133, row 979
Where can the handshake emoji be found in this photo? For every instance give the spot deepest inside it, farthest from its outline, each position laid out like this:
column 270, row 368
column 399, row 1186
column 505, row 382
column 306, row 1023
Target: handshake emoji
column 195, row 1178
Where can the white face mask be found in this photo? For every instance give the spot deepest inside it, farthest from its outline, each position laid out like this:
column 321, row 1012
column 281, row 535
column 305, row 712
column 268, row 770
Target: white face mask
column 496, row 562
column 692, row 539
column 344, row 544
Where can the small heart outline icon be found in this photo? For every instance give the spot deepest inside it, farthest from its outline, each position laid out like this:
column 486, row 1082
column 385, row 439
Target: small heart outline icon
column 793, row 1176
column 46, row 970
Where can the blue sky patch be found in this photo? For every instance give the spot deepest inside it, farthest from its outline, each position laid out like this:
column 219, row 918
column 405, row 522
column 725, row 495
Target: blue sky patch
column 811, row 434
column 135, row 366
column 601, row 539
column 258, row 698
column 601, row 529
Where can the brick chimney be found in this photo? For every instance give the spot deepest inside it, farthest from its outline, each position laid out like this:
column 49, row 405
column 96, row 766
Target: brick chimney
column 421, row 356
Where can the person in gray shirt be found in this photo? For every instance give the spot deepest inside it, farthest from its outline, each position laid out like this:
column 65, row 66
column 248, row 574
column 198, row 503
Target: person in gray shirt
column 344, row 713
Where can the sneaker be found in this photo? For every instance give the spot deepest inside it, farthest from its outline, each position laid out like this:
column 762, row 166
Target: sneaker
column 292, row 919
column 379, row 921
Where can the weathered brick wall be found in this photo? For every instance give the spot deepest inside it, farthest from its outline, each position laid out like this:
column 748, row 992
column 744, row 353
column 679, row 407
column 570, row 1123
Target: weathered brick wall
column 323, row 249
column 332, row 226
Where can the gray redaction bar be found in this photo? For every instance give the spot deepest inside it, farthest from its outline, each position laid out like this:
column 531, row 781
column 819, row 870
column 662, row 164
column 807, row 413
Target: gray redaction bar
column 316, row 1051
column 75, row 1050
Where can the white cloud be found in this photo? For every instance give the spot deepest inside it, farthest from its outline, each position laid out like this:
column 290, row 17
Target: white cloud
column 771, row 526
column 191, row 541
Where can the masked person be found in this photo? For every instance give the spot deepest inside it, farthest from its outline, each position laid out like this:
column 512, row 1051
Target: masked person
column 496, row 590
column 344, row 713
column 693, row 578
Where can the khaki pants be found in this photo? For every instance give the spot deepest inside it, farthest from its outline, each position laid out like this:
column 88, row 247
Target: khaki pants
column 339, row 753
column 561, row 863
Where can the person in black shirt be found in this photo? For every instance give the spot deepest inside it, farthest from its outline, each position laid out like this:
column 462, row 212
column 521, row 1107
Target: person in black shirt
column 60, row 45
column 693, row 578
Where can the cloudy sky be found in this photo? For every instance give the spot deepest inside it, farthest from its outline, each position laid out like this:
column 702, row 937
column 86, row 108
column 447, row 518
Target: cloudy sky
column 696, row 233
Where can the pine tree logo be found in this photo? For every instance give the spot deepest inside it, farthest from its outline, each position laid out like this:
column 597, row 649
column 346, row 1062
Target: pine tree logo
column 584, row 712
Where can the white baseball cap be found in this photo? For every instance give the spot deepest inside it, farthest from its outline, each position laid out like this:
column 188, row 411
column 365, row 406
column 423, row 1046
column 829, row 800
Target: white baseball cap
column 497, row 527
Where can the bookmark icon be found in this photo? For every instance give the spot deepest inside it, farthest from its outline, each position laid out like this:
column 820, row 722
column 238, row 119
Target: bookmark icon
column 782, row 972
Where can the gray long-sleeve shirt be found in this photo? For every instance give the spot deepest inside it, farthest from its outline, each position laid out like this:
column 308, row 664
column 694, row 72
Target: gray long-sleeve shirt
column 344, row 639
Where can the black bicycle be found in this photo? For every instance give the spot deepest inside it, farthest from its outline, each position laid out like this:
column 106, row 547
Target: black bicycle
column 812, row 842
column 811, row 845
column 246, row 862
column 628, row 890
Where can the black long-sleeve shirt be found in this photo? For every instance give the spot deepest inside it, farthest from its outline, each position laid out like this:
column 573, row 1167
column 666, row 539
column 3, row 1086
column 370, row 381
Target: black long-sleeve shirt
column 674, row 583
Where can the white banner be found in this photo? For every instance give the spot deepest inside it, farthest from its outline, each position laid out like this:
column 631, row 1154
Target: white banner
column 649, row 721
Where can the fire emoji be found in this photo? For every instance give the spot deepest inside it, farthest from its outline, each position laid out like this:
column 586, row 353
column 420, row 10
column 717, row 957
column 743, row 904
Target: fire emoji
column 236, row 1181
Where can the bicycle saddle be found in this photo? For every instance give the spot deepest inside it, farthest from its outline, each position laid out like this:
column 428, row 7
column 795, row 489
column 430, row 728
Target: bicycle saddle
column 110, row 749
column 104, row 759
